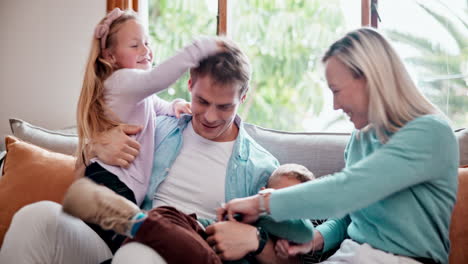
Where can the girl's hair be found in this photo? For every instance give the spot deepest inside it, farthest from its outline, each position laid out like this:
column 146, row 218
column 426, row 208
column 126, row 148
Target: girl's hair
column 394, row 99
column 92, row 114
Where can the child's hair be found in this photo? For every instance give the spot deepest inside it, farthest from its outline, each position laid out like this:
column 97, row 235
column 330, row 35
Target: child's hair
column 292, row 171
column 229, row 67
column 92, row 114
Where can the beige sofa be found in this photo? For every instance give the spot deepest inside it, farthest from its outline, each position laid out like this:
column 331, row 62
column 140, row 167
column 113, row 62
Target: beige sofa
column 322, row 153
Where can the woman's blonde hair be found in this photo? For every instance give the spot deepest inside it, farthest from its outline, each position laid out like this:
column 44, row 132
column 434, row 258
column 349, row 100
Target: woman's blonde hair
column 92, row 114
column 394, row 99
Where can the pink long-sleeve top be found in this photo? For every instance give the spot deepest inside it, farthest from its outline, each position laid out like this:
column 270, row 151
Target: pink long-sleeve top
column 130, row 95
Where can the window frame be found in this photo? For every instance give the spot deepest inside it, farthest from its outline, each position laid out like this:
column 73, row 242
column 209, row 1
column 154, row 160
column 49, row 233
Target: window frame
column 369, row 12
column 369, row 15
column 122, row 4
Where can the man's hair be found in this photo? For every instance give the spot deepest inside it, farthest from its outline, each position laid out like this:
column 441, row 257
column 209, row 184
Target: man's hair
column 292, row 171
column 229, row 67
column 394, row 99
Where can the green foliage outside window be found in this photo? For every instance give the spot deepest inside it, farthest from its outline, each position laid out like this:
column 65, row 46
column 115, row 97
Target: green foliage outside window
column 284, row 41
column 441, row 74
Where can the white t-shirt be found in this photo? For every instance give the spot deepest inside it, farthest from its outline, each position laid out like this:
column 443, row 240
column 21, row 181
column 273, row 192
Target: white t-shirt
column 196, row 181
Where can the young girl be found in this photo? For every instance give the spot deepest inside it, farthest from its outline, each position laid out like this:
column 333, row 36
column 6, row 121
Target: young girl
column 119, row 87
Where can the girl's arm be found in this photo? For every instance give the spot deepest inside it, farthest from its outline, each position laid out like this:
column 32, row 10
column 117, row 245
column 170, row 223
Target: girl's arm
column 131, row 86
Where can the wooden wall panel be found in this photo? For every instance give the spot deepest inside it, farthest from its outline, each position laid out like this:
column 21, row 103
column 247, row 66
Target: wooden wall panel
column 222, row 18
column 122, row 4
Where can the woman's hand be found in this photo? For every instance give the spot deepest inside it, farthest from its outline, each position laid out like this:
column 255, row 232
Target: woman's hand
column 182, row 107
column 247, row 207
column 285, row 249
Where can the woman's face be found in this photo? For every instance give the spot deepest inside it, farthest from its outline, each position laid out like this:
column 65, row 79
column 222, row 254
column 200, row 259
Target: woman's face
column 349, row 93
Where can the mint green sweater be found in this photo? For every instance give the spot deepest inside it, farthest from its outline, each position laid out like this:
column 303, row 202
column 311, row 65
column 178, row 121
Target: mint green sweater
column 397, row 197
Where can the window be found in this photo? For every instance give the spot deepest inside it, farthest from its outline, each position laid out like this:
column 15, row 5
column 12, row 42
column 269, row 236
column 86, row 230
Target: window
column 432, row 38
column 285, row 39
column 173, row 24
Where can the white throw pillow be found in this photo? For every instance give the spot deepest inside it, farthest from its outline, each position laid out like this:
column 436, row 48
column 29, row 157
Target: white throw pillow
column 62, row 141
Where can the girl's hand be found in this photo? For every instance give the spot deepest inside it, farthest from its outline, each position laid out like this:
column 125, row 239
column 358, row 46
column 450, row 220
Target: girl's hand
column 182, row 107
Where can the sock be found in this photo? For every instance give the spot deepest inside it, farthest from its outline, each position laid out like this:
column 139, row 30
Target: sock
column 137, row 221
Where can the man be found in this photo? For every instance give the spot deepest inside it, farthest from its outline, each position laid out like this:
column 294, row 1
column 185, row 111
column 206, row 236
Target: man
column 200, row 161
column 205, row 159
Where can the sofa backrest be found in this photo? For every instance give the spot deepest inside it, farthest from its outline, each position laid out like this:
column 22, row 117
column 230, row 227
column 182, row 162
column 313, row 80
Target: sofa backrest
column 321, row 153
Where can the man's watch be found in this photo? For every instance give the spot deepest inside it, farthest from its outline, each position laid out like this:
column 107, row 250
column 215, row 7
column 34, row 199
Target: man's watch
column 261, row 202
column 262, row 236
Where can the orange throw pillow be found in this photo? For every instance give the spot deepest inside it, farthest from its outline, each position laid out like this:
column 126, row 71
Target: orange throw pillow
column 458, row 226
column 31, row 174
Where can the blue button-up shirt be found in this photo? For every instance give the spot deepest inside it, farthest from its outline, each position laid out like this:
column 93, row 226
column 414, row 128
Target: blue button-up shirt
column 248, row 169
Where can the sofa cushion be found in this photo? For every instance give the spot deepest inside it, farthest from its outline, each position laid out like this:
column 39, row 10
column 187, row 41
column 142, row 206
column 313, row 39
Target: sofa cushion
column 321, row 153
column 462, row 136
column 31, row 174
column 62, row 141
column 458, row 226
column 317, row 151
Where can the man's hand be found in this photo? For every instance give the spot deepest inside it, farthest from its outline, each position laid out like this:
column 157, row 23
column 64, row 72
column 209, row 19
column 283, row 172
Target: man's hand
column 115, row 146
column 232, row 240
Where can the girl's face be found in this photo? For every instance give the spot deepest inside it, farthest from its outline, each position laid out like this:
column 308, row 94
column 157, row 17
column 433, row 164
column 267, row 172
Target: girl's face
column 349, row 93
column 131, row 49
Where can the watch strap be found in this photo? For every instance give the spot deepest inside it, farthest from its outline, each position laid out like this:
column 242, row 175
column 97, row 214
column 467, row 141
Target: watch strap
column 262, row 236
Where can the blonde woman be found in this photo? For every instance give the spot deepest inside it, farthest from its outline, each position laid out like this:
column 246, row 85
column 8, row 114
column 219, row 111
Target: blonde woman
column 393, row 201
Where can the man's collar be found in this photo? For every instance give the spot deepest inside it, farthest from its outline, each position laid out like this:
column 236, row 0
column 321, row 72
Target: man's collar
column 242, row 151
column 184, row 119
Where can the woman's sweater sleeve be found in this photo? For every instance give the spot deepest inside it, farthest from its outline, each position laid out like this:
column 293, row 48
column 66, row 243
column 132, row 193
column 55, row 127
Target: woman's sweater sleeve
column 415, row 154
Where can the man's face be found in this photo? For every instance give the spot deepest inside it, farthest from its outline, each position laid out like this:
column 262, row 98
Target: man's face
column 214, row 107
